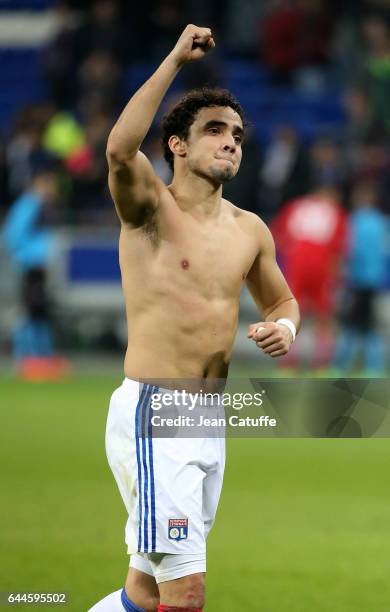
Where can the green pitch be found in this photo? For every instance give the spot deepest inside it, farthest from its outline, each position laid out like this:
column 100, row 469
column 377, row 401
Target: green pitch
column 303, row 525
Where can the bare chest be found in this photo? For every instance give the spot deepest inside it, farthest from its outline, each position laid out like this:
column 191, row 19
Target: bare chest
column 205, row 260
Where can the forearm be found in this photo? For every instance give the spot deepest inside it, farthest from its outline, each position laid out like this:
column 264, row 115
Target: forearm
column 133, row 124
column 288, row 309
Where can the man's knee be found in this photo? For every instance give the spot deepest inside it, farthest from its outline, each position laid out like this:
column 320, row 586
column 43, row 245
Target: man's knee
column 150, row 603
column 186, row 592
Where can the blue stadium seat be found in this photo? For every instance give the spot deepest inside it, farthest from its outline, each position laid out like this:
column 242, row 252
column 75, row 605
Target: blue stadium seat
column 241, row 71
column 20, row 81
column 137, row 74
column 26, row 5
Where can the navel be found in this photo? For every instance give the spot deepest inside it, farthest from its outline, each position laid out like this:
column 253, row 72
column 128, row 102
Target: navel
column 185, row 264
column 243, row 276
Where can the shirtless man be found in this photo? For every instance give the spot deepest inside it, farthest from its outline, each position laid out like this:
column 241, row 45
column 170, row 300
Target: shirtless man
column 185, row 253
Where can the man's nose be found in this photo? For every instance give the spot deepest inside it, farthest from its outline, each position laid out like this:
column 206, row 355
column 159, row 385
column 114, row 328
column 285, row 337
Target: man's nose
column 229, row 145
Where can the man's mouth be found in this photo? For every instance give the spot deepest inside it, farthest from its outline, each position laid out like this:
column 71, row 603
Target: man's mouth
column 226, row 159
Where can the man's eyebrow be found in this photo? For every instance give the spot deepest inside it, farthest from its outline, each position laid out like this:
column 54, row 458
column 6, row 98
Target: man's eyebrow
column 215, row 123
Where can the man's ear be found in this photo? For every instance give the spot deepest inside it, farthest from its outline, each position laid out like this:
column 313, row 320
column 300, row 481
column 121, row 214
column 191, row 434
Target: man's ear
column 177, row 146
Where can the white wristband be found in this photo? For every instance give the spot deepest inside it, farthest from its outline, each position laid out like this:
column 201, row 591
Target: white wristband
column 290, row 326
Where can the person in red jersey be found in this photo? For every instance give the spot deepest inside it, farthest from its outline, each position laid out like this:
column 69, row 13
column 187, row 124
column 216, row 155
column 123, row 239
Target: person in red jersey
column 311, row 235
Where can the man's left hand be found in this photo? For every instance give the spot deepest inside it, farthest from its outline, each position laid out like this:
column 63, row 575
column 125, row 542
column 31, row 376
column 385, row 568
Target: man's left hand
column 272, row 338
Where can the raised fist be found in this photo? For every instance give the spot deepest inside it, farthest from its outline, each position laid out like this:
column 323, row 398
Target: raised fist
column 193, row 44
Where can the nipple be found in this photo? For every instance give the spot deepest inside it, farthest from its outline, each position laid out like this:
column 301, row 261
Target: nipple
column 185, row 264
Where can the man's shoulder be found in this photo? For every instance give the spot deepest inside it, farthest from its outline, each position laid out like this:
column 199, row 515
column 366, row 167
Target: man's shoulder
column 254, row 227
column 249, row 218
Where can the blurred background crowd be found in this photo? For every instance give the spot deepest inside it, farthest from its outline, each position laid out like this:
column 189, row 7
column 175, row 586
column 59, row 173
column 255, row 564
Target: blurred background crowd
column 314, row 79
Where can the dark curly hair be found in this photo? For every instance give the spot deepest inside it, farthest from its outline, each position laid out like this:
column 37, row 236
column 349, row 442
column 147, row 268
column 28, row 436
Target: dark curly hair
column 179, row 120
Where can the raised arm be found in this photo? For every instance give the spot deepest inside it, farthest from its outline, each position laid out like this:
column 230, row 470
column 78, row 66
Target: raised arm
column 132, row 181
column 273, row 297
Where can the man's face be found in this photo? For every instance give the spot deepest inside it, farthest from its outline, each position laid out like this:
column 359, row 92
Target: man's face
column 214, row 144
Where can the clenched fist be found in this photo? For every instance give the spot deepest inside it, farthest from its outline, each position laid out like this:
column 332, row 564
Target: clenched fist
column 273, row 338
column 193, row 44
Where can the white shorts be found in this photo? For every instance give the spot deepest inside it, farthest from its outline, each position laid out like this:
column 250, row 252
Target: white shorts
column 170, row 486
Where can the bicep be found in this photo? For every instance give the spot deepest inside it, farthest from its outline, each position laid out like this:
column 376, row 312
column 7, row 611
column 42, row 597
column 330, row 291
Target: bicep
column 133, row 187
column 265, row 280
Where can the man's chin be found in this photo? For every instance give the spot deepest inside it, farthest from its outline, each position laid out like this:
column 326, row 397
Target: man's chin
column 222, row 175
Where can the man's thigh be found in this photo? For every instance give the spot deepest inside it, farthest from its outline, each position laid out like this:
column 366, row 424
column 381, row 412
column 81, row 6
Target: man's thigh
column 141, row 588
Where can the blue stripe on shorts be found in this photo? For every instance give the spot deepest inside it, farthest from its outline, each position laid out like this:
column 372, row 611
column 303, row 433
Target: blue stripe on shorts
column 146, row 485
column 137, row 437
column 152, row 491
